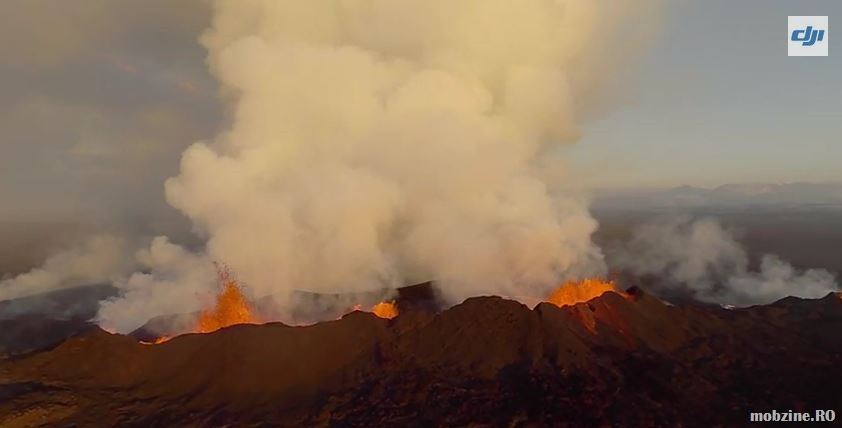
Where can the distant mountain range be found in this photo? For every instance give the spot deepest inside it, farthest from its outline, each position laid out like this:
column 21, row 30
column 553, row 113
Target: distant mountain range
column 788, row 195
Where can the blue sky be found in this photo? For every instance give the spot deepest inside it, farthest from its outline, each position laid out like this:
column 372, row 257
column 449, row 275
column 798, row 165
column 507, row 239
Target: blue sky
column 719, row 101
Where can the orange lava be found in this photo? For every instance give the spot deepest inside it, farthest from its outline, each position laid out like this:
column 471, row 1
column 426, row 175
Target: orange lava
column 573, row 292
column 231, row 306
column 387, row 310
column 157, row 341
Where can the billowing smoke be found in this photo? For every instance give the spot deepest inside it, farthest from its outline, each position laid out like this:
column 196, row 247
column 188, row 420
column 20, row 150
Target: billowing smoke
column 172, row 283
column 376, row 143
column 99, row 259
column 704, row 259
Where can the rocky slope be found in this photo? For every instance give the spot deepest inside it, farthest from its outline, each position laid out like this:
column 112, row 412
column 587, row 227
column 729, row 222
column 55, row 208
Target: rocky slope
column 46, row 319
column 614, row 361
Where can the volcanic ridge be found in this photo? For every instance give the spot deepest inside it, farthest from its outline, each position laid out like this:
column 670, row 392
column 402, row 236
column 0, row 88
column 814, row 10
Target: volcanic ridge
column 620, row 359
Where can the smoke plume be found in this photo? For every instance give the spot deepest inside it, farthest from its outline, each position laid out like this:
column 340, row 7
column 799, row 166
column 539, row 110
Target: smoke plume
column 703, row 258
column 99, row 259
column 173, row 281
column 375, row 143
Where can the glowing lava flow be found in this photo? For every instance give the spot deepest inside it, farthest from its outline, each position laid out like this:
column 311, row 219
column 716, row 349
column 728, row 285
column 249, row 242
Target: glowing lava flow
column 161, row 339
column 573, row 292
column 157, row 341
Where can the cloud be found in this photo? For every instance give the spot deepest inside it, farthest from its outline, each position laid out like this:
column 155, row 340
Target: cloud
column 181, row 284
column 702, row 258
column 97, row 101
column 99, row 259
column 45, row 34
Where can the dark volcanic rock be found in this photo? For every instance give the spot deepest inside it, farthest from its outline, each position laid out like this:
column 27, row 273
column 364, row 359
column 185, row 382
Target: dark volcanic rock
column 45, row 320
column 613, row 361
column 68, row 303
column 28, row 333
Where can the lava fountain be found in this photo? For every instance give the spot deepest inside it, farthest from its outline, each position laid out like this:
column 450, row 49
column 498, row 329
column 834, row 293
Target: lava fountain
column 230, row 308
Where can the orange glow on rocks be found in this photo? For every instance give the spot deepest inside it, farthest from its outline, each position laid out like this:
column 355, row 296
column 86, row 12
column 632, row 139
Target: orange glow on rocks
column 573, row 292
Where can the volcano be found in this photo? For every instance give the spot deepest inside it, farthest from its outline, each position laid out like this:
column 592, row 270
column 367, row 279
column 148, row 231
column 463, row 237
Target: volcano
column 619, row 359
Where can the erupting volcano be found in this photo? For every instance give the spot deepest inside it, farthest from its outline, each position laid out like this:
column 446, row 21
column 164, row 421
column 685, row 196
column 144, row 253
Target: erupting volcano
column 413, row 241
column 230, row 307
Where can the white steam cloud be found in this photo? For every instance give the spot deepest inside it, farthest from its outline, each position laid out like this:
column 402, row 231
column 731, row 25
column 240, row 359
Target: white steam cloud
column 705, row 259
column 99, row 259
column 381, row 142
column 174, row 280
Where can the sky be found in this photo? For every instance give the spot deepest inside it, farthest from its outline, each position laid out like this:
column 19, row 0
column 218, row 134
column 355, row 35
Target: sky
column 717, row 100
column 98, row 100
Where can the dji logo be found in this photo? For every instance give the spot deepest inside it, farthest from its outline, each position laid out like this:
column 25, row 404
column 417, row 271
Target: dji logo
column 807, row 36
